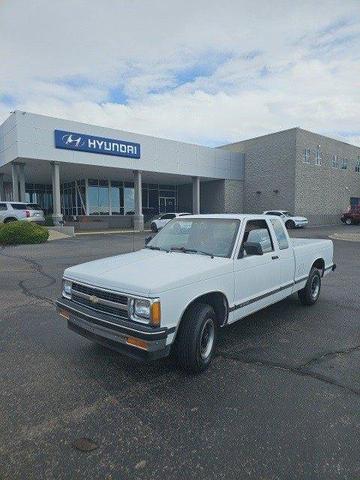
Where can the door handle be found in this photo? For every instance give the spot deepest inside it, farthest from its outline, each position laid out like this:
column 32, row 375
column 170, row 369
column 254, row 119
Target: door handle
column 275, row 257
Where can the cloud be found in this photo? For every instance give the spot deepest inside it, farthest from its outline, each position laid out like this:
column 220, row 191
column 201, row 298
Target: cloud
column 207, row 72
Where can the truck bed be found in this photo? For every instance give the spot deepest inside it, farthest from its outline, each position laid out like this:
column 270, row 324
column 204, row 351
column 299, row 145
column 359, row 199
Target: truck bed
column 307, row 251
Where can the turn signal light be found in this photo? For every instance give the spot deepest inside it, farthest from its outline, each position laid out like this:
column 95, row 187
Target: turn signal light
column 136, row 342
column 155, row 314
column 64, row 313
column 27, row 213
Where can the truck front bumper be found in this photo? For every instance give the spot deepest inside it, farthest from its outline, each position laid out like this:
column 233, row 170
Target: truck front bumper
column 140, row 342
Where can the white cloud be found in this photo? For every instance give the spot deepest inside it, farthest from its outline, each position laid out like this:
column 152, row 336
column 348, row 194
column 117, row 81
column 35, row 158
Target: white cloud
column 139, row 65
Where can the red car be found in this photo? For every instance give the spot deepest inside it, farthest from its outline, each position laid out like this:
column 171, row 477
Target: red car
column 352, row 216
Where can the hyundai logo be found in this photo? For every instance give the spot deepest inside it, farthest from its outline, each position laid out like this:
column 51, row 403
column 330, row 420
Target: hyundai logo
column 89, row 143
column 68, row 139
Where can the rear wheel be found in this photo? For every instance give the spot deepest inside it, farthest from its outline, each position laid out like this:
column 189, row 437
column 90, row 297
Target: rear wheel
column 290, row 224
column 154, row 227
column 311, row 292
column 196, row 339
column 8, row 220
column 348, row 221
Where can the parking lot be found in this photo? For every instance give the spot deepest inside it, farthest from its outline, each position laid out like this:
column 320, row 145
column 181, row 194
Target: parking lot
column 280, row 401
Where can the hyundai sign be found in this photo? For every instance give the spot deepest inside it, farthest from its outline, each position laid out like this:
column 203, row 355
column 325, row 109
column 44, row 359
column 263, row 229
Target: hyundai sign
column 91, row 144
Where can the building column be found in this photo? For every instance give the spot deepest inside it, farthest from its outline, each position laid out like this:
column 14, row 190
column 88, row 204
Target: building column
column 21, row 172
column 15, row 182
column 138, row 217
column 196, row 195
column 2, row 188
column 55, row 175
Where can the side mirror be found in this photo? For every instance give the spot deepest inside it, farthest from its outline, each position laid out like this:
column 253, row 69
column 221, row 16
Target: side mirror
column 253, row 248
column 147, row 240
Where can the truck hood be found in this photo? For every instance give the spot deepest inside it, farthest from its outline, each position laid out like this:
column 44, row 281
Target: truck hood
column 148, row 272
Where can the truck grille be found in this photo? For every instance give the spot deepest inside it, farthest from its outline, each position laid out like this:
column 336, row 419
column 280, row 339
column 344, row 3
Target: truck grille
column 100, row 300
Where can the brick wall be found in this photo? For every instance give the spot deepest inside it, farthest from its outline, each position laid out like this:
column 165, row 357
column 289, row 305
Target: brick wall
column 322, row 191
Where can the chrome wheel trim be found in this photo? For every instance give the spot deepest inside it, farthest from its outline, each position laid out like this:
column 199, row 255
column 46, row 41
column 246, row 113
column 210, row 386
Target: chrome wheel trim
column 348, row 221
column 207, row 338
column 315, row 287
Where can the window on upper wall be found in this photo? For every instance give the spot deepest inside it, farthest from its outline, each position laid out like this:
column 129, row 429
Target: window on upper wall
column 307, row 155
column 335, row 161
column 318, row 157
column 344, row 164
column 357, row 165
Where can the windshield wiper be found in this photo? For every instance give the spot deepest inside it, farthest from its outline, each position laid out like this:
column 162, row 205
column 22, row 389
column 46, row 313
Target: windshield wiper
column 191, row 250
column 151, row 247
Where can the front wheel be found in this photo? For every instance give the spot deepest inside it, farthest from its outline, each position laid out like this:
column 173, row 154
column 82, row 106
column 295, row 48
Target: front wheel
column 196, row 339
column 154, row 228
column 311, row 292
column 290, row 225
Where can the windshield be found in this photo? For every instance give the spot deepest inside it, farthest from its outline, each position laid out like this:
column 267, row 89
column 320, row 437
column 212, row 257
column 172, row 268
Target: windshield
column 204, row 236
column 288, row 214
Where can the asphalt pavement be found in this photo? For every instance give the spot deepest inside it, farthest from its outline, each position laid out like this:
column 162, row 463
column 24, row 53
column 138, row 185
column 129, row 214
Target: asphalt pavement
column 280, row 401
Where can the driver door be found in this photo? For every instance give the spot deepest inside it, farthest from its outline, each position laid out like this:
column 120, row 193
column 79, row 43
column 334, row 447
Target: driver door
column 257, row 277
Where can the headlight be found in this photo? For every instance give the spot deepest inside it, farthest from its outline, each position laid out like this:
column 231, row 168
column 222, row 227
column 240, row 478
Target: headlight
column 142, row 308
column 145, row 311
column 66, row 291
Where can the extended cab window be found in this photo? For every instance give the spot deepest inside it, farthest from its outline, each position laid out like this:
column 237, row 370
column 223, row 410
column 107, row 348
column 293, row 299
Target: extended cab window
column 257, row 231
column 3, row 206
column 280, row 233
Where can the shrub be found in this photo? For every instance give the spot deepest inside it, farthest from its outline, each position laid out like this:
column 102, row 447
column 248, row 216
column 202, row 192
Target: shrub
column 16, row 233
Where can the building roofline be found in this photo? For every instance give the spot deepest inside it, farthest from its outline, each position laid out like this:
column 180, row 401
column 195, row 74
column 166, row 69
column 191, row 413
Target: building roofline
column 259, row 136
column 288, row 130
column 329, row 138
column 18, row 112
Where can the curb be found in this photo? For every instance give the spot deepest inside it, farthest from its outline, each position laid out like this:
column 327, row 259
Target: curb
column 111, row 232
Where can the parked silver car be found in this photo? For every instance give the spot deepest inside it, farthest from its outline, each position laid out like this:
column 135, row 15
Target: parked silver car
column 25, row 212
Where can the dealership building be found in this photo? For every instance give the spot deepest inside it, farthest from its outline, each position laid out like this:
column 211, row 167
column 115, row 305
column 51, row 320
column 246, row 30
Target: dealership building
column 95, row 176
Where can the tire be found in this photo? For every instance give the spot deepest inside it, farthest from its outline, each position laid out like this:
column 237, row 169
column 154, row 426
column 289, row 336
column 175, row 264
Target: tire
column 8, row 220
column 196, row 340
column 154, row 228
column 348, row 221
column 309, row 295
column 290, row 225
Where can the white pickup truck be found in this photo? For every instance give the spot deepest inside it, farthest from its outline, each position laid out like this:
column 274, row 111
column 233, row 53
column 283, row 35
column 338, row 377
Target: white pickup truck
column 198, row 274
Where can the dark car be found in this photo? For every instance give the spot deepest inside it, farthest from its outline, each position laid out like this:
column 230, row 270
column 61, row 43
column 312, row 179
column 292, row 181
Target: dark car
column 352, row 216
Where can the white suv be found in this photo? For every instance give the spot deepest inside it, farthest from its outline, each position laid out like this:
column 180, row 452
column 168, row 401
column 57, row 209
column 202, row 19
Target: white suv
column 159, row 223
column 26, row 212
column 291, row 221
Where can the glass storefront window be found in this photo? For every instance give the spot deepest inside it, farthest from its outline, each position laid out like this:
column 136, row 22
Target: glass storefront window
column 121, row 194
column 117, row 198
column 41, row 194
column 104, row 206
column 93, row 197
column 73, row 198
column 129, row 199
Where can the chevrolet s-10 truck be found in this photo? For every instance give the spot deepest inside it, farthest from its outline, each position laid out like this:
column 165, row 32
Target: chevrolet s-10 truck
column 197, row 275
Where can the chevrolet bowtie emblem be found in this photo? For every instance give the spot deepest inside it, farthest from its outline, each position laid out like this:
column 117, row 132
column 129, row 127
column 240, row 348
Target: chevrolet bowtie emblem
column 93, row 299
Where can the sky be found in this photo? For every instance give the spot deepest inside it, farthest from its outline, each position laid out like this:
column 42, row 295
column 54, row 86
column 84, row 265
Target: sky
column 201, row 71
